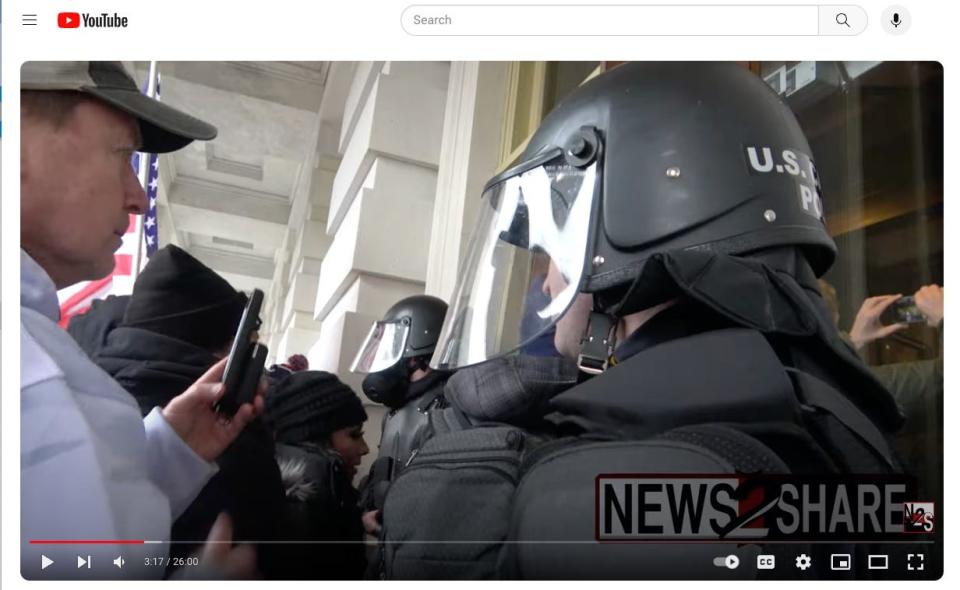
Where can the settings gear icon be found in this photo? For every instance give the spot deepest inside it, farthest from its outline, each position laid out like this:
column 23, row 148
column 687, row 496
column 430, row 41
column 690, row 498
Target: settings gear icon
column 803, row 561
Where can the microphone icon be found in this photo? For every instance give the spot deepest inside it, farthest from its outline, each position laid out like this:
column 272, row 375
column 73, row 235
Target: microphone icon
column 896, row 19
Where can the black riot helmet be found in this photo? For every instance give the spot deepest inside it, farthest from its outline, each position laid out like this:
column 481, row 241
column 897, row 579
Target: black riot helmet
column 409, row 329
column 644, row 159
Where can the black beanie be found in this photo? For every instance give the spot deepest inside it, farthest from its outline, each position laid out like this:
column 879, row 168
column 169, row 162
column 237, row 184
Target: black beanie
column 178, row 296
column 310, row 405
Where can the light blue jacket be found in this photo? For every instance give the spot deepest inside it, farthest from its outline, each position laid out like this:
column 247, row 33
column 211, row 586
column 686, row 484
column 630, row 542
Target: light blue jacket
column 90, row 467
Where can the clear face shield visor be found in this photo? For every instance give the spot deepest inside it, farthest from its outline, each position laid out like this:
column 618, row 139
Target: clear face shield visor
column 524, row 263
column 383, row 346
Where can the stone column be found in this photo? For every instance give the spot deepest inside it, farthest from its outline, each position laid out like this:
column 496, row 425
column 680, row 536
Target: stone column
column 381, row 204
column 380, row 212
column 469, row 155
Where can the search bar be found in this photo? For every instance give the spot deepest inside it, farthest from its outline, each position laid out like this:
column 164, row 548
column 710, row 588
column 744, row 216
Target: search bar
column 632, row 20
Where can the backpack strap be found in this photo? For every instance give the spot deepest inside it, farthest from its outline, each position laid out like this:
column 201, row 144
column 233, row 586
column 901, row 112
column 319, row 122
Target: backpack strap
column 729, row 375
column 439, row 421
column 446, row 420
column 817, row 394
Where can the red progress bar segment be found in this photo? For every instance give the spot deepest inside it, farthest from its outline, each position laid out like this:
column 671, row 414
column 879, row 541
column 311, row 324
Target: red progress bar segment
column 87, row 541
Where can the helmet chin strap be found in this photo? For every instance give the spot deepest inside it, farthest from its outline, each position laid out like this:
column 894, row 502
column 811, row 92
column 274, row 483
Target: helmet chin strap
column 597, row 344
column 600, row 336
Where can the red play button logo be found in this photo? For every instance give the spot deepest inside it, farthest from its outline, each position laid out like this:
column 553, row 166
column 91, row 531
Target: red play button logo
column 68, row 20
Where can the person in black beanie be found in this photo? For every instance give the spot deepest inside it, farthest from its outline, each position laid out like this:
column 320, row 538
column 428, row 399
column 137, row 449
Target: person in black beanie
column 91, row 328
column 179, row 321
column 178, row 296
column 317, row 423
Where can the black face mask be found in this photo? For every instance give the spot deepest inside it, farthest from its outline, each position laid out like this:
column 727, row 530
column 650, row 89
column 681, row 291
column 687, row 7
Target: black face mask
column 389, row 386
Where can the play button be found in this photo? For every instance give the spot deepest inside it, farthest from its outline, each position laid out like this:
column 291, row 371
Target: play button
column 45, row 562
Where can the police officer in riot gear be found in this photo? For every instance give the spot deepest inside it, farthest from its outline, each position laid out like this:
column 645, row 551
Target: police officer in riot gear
column 679, row 209
column 395, row 356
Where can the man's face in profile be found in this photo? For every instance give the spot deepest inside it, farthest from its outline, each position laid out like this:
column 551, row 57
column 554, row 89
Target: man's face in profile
column 573, row 323
column 77, row 190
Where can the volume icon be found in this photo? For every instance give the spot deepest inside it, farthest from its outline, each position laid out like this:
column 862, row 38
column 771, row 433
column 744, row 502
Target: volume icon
column 119, row 561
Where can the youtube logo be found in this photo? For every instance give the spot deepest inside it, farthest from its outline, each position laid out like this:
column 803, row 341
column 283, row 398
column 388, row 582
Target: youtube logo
column 103, row 20
column 68, row 20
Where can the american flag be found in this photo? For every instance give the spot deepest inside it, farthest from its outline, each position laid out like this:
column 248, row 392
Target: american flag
column 150, row 219
column 150, row 236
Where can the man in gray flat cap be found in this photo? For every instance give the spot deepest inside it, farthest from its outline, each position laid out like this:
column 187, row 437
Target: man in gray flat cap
column 91, row 469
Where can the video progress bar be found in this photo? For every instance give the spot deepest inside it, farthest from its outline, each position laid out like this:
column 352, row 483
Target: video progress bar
column 94, row 542
column 502, row 542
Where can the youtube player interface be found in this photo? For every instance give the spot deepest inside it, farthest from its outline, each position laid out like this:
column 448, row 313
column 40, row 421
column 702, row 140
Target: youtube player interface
column 518, row 301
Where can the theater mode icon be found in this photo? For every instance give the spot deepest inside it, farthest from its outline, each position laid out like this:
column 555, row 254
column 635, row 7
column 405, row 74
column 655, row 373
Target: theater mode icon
column 878, row 562
column 68, row 20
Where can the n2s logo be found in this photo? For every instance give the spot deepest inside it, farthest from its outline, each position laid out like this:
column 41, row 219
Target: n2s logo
column 918, row 517
column 793, row 163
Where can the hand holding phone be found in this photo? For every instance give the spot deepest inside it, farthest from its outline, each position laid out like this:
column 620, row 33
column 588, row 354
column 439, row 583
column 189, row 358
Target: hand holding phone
column 245, row 363
column 868, row 325
column 904, row 311
column 193, row 415
column 929, row 300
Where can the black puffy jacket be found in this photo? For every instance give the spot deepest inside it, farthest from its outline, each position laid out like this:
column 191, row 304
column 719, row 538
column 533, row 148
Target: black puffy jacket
column 321, row 508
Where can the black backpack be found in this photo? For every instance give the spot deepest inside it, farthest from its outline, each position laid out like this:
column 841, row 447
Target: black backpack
column 486, row 500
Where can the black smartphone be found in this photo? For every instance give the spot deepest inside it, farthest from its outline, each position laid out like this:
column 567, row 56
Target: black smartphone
column 245, row 363
column 903, row 311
